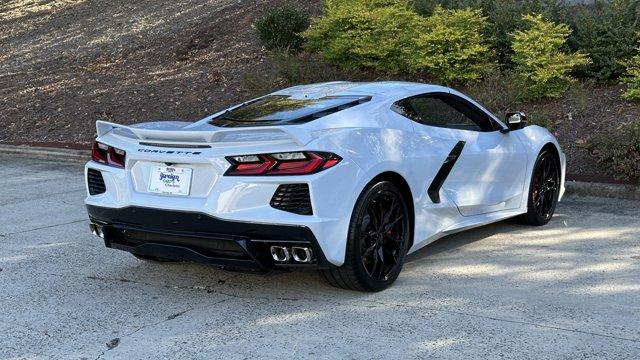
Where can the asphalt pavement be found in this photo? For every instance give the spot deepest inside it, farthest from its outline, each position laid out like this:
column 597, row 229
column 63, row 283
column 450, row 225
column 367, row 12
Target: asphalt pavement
column 569, row 290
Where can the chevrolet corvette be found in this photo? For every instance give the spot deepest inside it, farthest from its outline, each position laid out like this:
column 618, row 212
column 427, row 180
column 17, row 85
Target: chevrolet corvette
column 344, row 178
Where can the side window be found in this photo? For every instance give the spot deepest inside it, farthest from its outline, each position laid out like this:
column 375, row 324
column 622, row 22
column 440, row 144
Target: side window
column 443, row 111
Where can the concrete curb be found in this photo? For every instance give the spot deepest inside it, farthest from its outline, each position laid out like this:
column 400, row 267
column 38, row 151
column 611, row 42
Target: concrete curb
column 46, row 153
column 573, row 188
column 615, row 191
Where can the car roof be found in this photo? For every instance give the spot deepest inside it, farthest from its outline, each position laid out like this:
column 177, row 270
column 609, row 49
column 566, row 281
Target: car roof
column 389, row 89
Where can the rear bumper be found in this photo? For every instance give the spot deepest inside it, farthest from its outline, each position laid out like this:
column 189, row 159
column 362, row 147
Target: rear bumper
column 191, row 236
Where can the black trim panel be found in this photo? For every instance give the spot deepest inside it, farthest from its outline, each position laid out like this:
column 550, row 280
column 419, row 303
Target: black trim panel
column 191, row 236
column 95, row 182
column 443, row 173
column 175, row 146
column 293, row 198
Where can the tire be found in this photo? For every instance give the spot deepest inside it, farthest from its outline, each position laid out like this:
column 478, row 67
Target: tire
column 543, row 190
column 153, row 258
column 377, row 241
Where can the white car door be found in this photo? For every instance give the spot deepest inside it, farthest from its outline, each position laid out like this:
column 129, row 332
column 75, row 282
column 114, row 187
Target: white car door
column 486, row 169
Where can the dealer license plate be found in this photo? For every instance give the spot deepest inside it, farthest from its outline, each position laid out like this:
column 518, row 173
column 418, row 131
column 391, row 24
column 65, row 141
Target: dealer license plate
column 170, row 180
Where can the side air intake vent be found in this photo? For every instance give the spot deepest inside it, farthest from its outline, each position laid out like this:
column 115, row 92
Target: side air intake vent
column 292, row 198
column 95, row 182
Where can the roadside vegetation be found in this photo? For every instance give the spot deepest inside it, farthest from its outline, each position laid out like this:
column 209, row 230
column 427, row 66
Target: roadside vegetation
column 531, row 54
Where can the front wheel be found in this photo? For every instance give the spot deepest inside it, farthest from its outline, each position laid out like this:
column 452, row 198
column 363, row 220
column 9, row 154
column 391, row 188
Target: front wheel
column 543, row 190
column 377, row 241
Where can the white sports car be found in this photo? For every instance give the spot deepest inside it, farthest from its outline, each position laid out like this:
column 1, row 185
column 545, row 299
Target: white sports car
column 346, row 178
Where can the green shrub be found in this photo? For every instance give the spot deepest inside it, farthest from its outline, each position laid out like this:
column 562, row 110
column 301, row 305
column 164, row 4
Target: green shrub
column 618, row 151
column 388, row 36
column 540, row 61
column 632, row 78
column 607, row 31
column 427, row 7
column 280, row 28
column 451, row 46
column 372, row 34
column 503, row 18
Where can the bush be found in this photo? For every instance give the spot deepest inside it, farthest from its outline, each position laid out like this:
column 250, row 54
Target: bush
column 451, row 47
column 632, row 78
column 618, row 152
column 388, row 36
column 503, row 18
column 540, row 61
column 280, row 28
column 427, row 7
column 607, row 31
column 372, row 34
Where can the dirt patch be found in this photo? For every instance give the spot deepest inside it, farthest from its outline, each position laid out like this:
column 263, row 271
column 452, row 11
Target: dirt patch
column 583, row 112
column 66, row 63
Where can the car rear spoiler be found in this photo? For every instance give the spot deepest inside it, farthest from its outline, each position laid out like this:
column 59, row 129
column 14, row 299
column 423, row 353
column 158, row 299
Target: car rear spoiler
column 182, row 135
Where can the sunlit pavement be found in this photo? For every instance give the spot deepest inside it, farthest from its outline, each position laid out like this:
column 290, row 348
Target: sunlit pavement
column 567, row 290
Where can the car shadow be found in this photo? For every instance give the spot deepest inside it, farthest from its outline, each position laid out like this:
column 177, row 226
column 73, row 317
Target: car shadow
column 463, row 238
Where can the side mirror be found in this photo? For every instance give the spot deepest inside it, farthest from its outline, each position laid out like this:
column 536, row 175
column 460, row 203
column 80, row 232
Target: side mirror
column 515, row 121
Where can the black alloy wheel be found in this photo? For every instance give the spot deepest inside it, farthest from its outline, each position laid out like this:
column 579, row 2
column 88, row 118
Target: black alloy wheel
column 544, row 190
column 378, row 240
column 382, row 235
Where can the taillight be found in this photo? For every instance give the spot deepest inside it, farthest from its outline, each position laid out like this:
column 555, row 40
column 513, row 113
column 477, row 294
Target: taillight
column 108, row 155
column 290, row 163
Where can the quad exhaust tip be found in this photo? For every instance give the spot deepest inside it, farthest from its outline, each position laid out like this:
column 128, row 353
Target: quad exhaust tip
column 302, row 254
column 96, row 230
column 299, row 254
column 280, row 254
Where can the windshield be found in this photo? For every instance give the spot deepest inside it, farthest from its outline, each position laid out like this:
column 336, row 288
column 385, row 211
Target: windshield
column 284, row 109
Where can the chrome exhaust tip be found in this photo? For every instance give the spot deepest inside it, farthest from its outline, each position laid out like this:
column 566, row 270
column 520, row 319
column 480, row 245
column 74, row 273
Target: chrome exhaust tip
column 96, row 230
column 280, row 254
column 302, row 254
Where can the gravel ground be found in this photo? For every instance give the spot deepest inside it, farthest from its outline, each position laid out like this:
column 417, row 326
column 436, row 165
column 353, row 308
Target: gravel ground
column 567, row 290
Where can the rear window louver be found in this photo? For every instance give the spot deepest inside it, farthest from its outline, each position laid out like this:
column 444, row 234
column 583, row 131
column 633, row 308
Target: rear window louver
column 222, row 121
column 327, row 112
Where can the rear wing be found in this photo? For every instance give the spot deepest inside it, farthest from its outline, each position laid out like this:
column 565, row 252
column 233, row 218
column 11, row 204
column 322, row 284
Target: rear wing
column 181, row 135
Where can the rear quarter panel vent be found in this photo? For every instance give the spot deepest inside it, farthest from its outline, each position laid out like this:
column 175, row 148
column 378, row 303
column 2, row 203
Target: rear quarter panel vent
column 293, row 198
column 95, row 182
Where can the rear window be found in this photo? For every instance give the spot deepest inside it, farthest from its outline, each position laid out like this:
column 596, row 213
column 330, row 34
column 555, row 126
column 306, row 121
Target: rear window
column 283, row 110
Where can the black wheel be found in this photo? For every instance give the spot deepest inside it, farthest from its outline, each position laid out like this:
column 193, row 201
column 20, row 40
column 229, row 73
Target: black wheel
column 544, row 190
column 153, row 258
column 377, row 242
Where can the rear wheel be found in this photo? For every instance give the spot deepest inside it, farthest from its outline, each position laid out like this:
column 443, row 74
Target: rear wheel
column 543, row 190
column 377, row 242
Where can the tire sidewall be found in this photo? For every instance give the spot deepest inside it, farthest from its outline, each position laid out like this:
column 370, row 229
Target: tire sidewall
column 530, row 205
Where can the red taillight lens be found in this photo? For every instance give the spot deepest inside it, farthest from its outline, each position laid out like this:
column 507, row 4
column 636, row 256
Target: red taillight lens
column 294, row 163
column 108, row 155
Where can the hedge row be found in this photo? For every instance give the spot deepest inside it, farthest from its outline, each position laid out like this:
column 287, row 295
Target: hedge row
column 454, row 41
